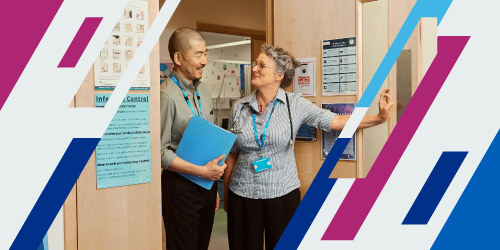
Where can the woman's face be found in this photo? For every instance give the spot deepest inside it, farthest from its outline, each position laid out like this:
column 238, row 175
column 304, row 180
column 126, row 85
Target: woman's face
column 263, row 72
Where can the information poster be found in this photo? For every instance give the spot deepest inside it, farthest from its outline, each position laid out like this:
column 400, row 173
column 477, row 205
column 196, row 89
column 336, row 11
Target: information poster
column 123, row 156
column 329, row 138
column 339, row 66
column 120, row 48
column 303, row 82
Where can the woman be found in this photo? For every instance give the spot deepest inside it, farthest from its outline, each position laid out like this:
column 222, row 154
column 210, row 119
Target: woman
column 261, row 187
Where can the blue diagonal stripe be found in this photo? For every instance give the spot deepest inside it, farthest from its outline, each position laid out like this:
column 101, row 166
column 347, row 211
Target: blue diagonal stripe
column 473, row 223
column 422, row 8
column 434, row 188
column 322, row 185
column 316, row 194
column 54, row 194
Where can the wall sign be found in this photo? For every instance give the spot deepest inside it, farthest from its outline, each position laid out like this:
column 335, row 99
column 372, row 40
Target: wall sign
column 123, row 156
column 303, row 81
column 339, row 66
column 120, row 48
column 329, row 138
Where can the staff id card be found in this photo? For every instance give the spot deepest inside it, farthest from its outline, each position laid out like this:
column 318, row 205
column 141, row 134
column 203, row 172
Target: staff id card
column 262, row 164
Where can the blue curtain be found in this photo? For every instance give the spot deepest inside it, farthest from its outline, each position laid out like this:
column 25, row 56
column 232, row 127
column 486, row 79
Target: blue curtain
column 242, row 76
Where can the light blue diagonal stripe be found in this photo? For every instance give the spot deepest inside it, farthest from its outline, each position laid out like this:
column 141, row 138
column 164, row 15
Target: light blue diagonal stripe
column 422, row 8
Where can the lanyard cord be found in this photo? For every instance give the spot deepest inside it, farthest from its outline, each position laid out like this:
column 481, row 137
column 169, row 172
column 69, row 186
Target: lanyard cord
column 289, row 116
column 267, row 125
column 186, row 97
column 265, row 128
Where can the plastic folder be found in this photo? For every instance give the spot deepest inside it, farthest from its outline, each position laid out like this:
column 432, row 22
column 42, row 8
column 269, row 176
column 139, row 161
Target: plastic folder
column 202, row 142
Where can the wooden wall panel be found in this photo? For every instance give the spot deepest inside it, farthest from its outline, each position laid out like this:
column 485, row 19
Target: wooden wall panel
column 270, row 22
column 254, row 34
column 70, row 221
column 125, row 217
column 299, row 27
column 69, row 213
column 375, row 47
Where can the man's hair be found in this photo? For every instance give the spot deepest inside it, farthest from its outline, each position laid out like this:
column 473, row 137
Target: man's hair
column 180, row 41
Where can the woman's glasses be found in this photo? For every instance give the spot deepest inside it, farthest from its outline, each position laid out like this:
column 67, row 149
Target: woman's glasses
column 260, row 66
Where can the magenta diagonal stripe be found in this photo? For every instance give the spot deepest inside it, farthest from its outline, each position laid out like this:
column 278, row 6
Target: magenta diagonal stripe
column 24, row 36
column 80, row 42
column 364, row 192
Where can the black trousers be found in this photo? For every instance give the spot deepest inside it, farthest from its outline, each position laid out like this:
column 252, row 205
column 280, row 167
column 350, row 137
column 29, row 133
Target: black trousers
column 248, row 220
column 188, row 212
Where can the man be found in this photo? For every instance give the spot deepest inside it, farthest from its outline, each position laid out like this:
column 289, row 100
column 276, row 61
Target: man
column 188, row 209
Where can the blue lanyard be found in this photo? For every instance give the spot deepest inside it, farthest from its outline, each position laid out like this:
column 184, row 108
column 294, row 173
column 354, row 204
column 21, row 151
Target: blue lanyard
column 265, row 128
column 186, row 97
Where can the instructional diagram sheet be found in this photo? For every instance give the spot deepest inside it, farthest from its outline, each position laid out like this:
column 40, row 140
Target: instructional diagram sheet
column 339, row 66
column 120, row 48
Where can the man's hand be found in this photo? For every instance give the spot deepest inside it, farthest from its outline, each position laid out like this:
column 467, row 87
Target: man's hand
column 217, row 202
column 212, row 171
column 384, row 106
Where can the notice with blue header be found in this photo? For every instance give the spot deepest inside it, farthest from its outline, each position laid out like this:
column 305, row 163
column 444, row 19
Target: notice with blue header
column 339, row 66
column 123, row 156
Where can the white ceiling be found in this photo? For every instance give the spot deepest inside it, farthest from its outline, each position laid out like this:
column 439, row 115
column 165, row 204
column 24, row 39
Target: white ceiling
column 216, row 38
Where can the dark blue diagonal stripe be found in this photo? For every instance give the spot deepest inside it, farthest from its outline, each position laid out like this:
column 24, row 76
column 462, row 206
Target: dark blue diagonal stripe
column 312, row 202
column 434, row 188
column 473, row 223
column 54, row 194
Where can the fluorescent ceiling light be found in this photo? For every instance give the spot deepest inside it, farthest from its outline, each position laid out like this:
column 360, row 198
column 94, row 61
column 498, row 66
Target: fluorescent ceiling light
column 228, row 44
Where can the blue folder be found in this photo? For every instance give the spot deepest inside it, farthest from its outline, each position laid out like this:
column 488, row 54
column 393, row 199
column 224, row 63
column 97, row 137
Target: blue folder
column 202, row 142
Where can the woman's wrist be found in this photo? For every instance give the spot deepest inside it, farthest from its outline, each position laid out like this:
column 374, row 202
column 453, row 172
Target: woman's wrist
column 381, row 119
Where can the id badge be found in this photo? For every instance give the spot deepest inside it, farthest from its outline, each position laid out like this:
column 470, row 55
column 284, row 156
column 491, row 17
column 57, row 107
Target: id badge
column 262, row 164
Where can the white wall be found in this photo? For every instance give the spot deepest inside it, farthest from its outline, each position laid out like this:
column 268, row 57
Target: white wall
column 233, row 53
column 214, row 72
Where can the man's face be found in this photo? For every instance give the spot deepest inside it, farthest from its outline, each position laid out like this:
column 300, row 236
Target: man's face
column 194, row 61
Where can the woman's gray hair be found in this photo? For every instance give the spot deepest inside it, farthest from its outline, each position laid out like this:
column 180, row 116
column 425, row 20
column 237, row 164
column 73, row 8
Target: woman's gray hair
column 284, row 61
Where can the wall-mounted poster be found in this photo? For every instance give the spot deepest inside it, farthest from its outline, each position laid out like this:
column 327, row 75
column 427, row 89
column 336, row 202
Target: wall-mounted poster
column 121, row 46
column 303, row 82
column 339, row 66
column 123, row 155
column 329, row 138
